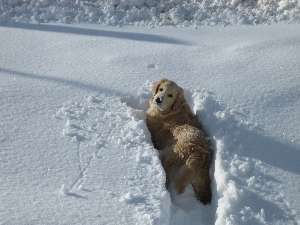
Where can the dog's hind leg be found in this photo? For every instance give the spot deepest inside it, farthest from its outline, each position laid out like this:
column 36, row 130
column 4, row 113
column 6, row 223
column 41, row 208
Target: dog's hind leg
column 184, row 177
column 202, row 186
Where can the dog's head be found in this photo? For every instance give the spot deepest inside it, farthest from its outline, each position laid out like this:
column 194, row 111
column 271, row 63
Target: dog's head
column 167, row 96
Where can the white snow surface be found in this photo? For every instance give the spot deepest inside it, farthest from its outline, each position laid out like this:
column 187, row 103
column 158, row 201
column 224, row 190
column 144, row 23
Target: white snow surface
column 151, row 12
column 74, row 148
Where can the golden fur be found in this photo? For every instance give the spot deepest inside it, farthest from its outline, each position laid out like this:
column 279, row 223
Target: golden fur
column 177, row 134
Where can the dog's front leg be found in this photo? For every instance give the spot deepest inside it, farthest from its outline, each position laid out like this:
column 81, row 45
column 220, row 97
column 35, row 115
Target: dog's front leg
column 168, row 162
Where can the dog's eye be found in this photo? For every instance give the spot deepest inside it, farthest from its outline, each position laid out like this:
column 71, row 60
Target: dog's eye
column 170, row 95
column 161, row 89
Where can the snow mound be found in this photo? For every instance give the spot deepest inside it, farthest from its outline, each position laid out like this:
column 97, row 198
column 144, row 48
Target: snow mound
column 152, row 12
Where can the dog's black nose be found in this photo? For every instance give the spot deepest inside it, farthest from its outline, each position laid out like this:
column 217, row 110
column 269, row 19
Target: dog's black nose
column 158, row 100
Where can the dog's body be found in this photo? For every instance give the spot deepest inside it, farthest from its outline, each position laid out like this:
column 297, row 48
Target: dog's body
column 178, row 135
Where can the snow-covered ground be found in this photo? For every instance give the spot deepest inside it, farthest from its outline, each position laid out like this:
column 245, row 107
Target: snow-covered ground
column 74, row 148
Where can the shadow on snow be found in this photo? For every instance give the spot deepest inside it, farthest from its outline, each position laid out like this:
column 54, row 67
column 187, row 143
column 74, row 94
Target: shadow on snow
column 133, row 36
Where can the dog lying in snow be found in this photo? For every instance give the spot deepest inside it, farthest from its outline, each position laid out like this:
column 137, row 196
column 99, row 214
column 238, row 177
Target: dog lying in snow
column 177, row 134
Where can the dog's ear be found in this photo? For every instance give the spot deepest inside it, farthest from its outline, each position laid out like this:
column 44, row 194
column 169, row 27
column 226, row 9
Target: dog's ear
column 179, row 99
column 156, row 84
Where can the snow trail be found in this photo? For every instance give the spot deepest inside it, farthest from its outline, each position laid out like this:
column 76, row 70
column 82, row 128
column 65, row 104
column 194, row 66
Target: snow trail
column 184, row 208
column 241, row 186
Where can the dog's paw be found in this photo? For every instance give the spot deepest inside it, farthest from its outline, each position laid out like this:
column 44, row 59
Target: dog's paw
column 205, row 199
column 205, row 196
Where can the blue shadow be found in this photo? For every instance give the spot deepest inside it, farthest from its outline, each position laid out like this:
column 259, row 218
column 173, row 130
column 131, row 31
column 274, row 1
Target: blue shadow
column 133, row 36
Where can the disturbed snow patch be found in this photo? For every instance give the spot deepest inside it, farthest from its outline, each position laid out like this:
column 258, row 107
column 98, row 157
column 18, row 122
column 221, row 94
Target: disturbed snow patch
column 114, row 154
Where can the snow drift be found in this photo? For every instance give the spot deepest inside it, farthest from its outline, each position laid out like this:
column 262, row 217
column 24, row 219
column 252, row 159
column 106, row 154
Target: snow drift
column 151, row 12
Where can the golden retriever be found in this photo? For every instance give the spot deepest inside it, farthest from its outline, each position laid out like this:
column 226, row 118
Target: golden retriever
column 177, row 134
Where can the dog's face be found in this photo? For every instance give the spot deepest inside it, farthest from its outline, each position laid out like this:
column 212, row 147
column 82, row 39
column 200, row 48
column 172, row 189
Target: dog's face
column 167, row 95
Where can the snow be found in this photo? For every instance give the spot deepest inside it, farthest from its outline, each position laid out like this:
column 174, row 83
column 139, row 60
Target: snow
column 193, row 13
column 74, row 148
column 101, row 151
column 246, row 191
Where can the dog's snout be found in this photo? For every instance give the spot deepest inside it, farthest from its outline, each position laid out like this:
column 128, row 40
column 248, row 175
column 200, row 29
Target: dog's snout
column 158, row 100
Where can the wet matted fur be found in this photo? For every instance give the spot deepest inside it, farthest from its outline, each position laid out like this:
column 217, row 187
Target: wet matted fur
column 177, row 134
